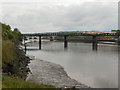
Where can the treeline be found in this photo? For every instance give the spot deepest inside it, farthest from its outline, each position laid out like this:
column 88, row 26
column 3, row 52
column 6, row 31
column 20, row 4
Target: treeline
column 14, row 61
column 117, row 31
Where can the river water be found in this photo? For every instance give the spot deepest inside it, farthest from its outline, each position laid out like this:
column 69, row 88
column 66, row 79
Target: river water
column 98, row 69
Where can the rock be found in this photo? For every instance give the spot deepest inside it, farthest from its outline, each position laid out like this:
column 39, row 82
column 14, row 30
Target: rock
column 31, row 57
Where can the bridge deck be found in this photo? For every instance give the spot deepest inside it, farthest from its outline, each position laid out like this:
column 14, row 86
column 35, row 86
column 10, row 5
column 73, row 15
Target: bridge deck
column 75, row 34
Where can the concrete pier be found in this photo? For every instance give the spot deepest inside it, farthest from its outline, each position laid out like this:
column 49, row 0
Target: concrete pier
column 39, row 42
column 51, row 38
column 65, row 42
column 94, row 46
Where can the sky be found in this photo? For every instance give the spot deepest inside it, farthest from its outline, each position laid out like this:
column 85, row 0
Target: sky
column 32, row 16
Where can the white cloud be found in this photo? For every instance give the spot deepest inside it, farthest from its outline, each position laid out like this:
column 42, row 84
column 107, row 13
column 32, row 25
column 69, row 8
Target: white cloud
column 39, row 17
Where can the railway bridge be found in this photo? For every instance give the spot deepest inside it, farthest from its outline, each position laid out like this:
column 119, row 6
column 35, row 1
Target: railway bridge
column 94, row 37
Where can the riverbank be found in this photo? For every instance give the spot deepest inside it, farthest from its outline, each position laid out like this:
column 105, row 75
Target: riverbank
column 14, row 61
column 47, row 73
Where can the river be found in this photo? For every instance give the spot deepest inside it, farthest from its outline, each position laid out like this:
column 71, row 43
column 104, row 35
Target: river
column 98, row 69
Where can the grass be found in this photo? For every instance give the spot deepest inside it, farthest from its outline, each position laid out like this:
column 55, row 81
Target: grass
column 15, row 82
column 8, row 52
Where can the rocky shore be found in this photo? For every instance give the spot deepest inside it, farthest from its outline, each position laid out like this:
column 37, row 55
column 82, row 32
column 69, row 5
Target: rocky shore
column 47, row 73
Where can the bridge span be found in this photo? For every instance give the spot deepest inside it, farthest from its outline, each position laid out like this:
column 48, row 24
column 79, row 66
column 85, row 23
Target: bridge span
column 94, row 37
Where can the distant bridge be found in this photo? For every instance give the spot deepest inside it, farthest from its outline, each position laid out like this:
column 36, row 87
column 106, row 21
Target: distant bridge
column 94, row 37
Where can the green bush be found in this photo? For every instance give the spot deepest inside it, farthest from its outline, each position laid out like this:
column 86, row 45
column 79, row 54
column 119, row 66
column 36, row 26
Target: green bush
column 7, row 34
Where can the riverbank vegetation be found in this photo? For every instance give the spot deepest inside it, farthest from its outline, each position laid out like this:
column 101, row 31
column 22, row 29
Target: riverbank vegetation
column 12, row 35
column 16, row 82
column 14, row 61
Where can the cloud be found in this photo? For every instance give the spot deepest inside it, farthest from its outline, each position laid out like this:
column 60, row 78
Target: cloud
column 39, row 17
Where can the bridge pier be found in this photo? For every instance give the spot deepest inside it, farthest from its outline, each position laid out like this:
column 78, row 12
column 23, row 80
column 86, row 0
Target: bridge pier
column 119, row 44
column 25, row 44
column 39, row 42
column 65, row 42
column 119, row 59
column 118, row 40
column 25, row 48
column 94, row 46
column 24, row 40
column 51, row 38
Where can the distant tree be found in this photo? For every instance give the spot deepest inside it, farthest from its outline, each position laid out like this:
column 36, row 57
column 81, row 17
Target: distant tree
column 16, row 31
column 117, row 31
column 6, row 32
column 17, row 35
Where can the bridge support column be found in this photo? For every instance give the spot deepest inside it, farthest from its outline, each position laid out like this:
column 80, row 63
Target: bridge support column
column 65, row 42
column 25, row 44
column 39, row 42
column 24, row 39
column 25, row 48
column 119, row 45
column 51, row 38
column 119, row 60
column 118, row 40
column 94, row 46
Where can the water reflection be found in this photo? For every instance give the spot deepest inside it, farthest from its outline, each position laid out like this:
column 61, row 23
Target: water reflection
column 97, row 69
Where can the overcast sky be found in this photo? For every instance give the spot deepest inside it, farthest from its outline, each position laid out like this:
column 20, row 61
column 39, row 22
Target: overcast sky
column 60, row 15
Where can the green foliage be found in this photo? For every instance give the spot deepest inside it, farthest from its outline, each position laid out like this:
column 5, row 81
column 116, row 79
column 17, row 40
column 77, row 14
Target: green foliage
column 14, row 60
column 7, row 34
column 8, row 52
column 117, row 31
column 0, row 53
column 15, row 82
column 17, row 35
